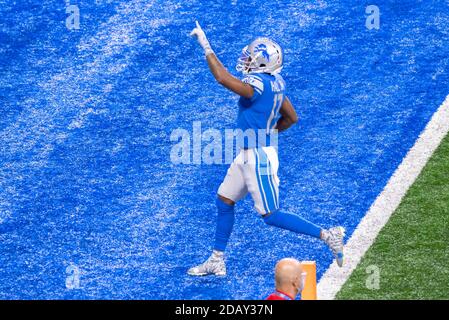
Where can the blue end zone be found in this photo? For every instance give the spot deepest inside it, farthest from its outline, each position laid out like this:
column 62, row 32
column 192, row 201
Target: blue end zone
column 85, row 172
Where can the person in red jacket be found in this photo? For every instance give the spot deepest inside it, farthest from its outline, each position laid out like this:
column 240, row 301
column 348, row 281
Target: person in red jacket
column 289, row 278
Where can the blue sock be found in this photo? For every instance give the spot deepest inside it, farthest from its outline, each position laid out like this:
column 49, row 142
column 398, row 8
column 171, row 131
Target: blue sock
column 225, row 222
column 293, row 223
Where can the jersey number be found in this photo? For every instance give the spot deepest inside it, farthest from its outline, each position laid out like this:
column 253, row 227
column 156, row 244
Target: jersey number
column 277, row 103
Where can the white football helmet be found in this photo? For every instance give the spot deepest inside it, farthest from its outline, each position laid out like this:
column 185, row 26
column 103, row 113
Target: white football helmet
column 261, row 55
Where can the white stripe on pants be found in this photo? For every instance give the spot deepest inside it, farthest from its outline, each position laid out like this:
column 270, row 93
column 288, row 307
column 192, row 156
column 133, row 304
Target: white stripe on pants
column 254, row 171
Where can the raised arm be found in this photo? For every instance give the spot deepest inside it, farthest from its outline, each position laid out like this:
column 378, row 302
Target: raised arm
column 220, row 73
column 288, row 116
column 226, row 79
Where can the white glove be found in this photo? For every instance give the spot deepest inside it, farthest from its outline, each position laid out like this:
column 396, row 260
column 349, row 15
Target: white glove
column 202, row 39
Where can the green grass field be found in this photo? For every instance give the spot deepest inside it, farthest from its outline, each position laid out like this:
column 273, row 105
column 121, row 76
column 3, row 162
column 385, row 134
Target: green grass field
column 412, row 250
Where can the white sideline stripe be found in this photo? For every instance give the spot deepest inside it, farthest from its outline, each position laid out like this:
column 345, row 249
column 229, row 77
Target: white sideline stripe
column 386, row 203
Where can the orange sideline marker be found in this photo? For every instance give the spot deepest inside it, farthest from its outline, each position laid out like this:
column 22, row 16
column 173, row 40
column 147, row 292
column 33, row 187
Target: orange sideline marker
column 309, row 291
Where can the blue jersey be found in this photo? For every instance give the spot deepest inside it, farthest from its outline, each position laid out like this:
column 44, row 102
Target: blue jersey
column 261, row 112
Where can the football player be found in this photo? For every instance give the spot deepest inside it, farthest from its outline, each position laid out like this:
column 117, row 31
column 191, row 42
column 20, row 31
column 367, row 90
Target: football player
column 263, row 107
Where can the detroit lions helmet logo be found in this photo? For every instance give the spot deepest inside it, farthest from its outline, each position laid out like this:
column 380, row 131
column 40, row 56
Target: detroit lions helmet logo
column 263, row 49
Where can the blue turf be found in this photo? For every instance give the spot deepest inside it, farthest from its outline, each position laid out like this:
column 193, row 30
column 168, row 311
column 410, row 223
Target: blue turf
column 86, row 117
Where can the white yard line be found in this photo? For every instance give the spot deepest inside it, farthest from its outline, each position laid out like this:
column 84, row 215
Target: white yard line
column 386, row 203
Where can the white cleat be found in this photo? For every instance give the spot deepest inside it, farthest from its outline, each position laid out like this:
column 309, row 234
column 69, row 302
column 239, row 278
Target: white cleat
column 334, row 239
column 214, row 265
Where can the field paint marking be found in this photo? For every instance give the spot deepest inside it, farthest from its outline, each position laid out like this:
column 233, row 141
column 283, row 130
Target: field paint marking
column 386, row 203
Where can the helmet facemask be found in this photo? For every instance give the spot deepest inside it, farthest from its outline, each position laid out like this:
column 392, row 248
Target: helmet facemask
column 244, row 61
